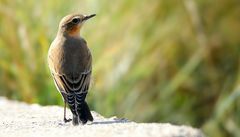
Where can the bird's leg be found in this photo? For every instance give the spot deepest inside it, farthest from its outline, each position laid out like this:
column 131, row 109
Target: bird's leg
column 64, row 115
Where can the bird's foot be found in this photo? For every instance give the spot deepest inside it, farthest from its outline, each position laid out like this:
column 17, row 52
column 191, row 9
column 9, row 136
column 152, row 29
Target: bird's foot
column 67, row 120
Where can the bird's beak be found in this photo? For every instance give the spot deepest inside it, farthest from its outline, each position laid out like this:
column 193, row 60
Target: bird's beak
column 88, row 17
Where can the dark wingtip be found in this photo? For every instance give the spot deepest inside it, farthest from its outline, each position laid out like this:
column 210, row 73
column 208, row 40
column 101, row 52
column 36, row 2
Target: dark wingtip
column 84, row 113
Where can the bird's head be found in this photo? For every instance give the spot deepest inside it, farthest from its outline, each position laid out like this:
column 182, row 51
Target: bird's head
column 71, row 24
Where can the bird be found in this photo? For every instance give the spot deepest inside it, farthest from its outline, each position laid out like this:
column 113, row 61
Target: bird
column 70, row 63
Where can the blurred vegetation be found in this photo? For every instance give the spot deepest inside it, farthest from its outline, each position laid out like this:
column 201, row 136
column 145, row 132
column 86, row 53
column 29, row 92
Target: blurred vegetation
column 172, row 61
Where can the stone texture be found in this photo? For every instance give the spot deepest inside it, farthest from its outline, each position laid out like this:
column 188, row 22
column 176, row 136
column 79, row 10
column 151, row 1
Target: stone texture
column 20, row 119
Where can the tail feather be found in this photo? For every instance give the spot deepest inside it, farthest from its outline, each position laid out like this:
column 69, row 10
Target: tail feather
column 72, row 105
column 87, row 111
column 84, row 113
column 82, row 108
column 75, row 120
column 79, row 107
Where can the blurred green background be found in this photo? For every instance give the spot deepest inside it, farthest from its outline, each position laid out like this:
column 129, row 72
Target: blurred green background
column 174, row 61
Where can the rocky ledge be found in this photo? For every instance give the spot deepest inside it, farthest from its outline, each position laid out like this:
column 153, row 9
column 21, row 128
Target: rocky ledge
column 21, row 119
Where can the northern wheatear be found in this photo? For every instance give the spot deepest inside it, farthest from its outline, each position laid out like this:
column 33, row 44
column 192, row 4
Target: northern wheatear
column 70, row 63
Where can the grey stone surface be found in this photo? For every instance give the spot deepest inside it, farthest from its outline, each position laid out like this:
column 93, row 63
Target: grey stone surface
column 18, row 119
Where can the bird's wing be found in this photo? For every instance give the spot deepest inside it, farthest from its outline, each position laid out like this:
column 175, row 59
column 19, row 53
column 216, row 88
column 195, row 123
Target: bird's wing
column 69, row 82
column 73, row 84
column 73, row 89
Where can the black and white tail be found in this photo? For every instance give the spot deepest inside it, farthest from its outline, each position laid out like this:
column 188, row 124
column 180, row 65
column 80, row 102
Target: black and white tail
column 79, row 108
column 82, row 108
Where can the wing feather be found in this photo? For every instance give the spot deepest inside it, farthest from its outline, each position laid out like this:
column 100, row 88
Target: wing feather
column 72, row 85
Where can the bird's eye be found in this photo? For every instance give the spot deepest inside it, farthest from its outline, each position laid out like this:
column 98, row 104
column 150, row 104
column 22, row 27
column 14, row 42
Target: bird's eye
column 75, row 20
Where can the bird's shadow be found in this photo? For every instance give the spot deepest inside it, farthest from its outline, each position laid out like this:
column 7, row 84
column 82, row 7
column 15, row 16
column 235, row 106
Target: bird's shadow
column 100, row 122
column 114, row 121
